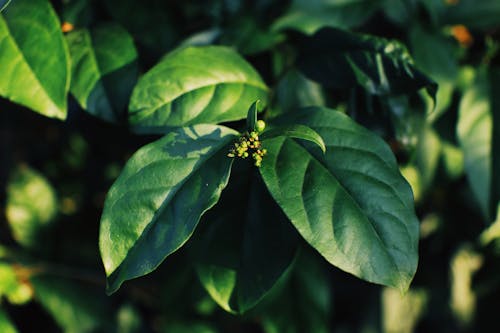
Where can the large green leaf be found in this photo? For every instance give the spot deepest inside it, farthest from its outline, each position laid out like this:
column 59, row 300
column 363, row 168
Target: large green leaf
column 34, row 58
column 351, row 204
column 474, row 131
column 309, row 15
column 193, row 85
column 342, row 60
column 104, row 67
column 246, row 246
column 154, row 206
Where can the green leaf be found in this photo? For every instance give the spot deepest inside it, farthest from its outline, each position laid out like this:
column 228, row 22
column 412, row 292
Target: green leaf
column 309, row 15
column 6, row 326
column 195, row 85
column 31, row 206
column 104, row 67
column 75, row 307
column 155, row 204
column 342, row 60
column 474, row 131
column 34, row 59
column 351, row 204
column 297, row 132
column 427, row 155
column 252, row 116
column 246, row 246
column 4, row 4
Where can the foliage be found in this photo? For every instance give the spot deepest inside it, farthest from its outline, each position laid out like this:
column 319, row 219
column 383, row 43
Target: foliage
column 219, row 166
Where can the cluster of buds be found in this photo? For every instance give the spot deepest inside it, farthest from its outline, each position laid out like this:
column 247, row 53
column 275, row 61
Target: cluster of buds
column 248, row 145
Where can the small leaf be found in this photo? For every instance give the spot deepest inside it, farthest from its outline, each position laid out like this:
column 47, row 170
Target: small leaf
column 342, row 60
column 351, row 204
column 154, row 206
column 247, row 246
column 104, row 67
column 192, row 85
column 34, row 59
column 252, row 116
column 297, row 132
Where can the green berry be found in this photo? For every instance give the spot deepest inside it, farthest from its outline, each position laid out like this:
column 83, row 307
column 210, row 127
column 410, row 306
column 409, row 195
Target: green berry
column 260, row 126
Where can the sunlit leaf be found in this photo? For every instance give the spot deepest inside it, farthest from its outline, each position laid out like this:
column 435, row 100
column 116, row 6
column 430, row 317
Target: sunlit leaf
column 154, row 206
column 195, row 85
column 351, row 204
column 34, row 59
column 474, row 130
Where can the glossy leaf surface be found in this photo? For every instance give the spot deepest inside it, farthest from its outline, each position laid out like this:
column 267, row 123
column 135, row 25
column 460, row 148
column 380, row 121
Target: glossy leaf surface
column 351, row 204
column 154, row 206
column 193, row 85
column 31, row 76
column 104, row 67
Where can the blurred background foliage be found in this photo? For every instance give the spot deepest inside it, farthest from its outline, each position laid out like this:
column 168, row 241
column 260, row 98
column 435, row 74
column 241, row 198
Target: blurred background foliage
column 54, row 175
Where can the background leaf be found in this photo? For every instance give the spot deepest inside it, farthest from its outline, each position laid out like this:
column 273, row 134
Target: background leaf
column 246, row 246
column 104, row 67
column 31, row 206
column 474, row 131
column 75, row 309
column 351, row 204
column 153, row 207
column 34, row 58
column 309, row 15
column 342, row 60
column 194, row 85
